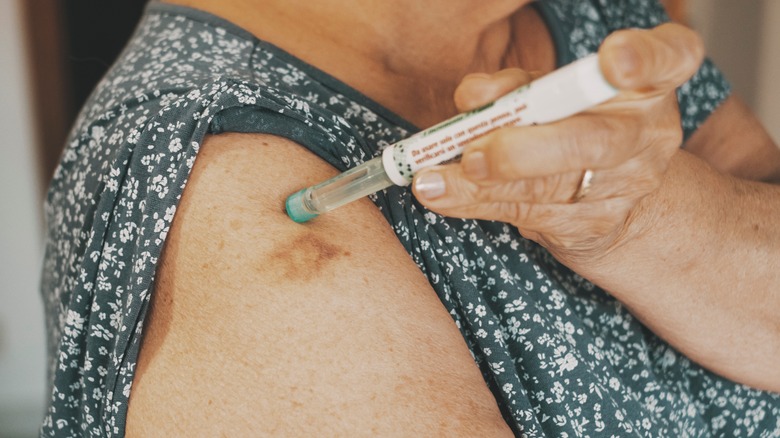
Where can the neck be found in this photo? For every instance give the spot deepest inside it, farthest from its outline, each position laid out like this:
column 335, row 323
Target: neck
column 407, row 55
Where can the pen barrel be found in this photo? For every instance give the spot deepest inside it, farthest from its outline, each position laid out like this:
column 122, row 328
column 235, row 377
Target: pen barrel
column 560, row 94
column 568, row 91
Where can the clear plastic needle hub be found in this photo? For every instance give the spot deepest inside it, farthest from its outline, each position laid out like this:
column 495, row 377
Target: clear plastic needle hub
column 363, row 180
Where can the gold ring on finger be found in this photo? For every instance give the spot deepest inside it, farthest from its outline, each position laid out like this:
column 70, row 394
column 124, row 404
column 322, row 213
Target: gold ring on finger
column 586, row 181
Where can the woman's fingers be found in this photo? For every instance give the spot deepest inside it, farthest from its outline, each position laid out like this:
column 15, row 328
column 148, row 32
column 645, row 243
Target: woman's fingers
column 588, row 141
column 651, row 61
column 478, row 89
column 528, row 176
column 542, row 213
column 528, row 152
column 445, row 187
column 447, row 190
column 650, row 64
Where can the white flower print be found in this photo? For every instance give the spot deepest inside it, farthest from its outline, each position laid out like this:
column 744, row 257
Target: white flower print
column 175, row 145
column 566, row 363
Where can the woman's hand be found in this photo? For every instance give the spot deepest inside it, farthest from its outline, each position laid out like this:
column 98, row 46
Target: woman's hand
column 539, row 177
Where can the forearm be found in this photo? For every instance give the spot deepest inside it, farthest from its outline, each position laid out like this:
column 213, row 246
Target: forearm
column 699, row 266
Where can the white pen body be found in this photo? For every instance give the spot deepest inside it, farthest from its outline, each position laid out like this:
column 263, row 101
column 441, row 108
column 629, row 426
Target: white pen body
column 560, row 94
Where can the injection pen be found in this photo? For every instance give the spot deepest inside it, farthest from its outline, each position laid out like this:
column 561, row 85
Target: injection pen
column 560, row 94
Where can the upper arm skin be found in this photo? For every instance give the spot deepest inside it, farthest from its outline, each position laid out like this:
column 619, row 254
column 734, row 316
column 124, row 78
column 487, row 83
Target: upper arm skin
column 733, row 141
column 260, row 326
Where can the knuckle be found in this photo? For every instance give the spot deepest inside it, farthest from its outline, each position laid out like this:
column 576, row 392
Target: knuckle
column 624, row 37
column 537, row 189
column 515, row 213
column 515, row 76
column 502, row 155
column 661, row 127
column 467, row 97
column 645, row 174
column 553, row 188
column 599, row 147
column 574, row 152
column 510, row 212
column 460, row 190
column 696, row 46
column 684, row 52
column 685, row 39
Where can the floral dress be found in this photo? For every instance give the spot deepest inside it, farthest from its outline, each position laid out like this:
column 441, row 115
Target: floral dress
column 561, row 356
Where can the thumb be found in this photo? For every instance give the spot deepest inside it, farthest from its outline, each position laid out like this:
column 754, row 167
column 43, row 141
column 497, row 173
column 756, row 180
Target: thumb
column 655, row 60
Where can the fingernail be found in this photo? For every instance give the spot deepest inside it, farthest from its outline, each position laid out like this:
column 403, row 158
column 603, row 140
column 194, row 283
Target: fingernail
column 475, row 165
column 429, row 185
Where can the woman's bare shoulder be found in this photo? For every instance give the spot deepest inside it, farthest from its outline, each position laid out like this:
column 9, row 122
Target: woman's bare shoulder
column 262, row 326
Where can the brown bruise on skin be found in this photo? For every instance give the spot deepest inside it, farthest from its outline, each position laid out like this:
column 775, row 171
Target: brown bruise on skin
column 304, row 257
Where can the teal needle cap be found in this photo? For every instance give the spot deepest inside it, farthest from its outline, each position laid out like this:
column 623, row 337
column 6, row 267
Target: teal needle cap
column 296, row 208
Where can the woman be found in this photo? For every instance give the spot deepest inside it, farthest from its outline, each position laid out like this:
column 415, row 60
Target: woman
column 259, row 326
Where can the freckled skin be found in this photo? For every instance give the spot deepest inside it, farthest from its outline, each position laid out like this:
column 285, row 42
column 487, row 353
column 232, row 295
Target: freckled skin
column 263, row 327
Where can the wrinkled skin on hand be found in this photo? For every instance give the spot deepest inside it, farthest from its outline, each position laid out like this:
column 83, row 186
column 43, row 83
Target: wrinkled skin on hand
column 528, row 175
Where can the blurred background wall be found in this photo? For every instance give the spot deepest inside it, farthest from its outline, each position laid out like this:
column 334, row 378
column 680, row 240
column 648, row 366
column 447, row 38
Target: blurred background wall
column 21, row 320
column 743, row 37
column 53, row 51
